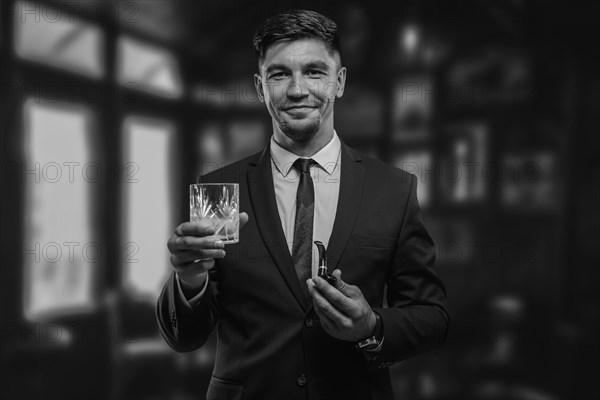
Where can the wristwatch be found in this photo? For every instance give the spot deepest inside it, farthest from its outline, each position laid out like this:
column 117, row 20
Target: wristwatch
column 372, row 342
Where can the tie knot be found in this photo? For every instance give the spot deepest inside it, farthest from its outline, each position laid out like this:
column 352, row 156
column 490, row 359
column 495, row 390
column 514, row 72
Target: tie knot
column 303, row 164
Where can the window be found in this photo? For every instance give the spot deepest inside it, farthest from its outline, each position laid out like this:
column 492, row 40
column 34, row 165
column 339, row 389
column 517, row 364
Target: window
column 148, row 216
column 59, row 251
column 45, row 34
column 146, row 67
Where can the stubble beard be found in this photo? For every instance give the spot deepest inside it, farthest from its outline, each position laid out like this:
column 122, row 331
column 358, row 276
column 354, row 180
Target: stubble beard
column 301, row 134
column 302, row 130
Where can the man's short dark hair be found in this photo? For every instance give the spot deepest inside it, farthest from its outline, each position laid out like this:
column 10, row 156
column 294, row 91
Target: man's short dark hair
column 294, row 25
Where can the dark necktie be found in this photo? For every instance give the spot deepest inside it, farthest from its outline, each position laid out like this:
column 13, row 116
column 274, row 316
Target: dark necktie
column 303, row 227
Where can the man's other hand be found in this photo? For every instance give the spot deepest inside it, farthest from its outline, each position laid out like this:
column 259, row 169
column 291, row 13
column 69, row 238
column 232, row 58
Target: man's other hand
column 343, row 310
column 193, row 251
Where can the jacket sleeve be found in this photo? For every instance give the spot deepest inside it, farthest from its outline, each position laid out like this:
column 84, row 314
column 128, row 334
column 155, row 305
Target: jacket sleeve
column 184, row 327
column 416, row 319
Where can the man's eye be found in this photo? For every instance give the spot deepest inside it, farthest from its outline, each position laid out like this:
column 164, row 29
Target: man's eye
column 278, row 75
column 313, row 72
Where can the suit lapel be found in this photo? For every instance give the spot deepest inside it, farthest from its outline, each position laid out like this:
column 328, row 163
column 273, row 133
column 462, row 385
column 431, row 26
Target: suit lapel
column 351, row 191
column 262, row 196
column 352, row 178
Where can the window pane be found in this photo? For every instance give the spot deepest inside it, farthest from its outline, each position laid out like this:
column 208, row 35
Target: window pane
column 146, row 67
column 148, row 215
column 59, row 253
column 45, row 34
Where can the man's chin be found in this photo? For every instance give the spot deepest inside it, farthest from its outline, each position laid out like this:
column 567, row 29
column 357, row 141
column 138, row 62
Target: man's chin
column 300, row 132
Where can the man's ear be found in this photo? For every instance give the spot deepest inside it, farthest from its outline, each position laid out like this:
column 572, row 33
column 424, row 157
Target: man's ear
column 259, row 87
column 341, row 82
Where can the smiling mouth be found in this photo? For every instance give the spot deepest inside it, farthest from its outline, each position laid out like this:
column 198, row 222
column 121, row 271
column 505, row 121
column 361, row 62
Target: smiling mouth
column 299, row 108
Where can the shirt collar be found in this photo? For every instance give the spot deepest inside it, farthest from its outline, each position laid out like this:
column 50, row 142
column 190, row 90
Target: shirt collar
column 327, row 158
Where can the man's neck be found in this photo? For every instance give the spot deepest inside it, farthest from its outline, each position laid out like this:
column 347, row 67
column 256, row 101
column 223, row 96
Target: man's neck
column 303, row 149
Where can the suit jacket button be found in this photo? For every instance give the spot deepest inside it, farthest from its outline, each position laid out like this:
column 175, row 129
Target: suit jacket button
column 301, row 380
column 173, row 319
column 309, row 323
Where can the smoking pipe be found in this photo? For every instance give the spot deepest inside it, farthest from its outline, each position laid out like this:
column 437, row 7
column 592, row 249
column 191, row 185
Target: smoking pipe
column 322, row 271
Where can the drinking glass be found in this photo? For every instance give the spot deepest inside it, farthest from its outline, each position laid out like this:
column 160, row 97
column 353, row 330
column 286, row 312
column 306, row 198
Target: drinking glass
column 217, row 205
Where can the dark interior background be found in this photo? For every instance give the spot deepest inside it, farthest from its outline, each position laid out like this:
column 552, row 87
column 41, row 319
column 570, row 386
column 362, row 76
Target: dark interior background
column 111, row 109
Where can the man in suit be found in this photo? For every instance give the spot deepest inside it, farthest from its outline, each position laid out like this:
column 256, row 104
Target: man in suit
column 283, row 332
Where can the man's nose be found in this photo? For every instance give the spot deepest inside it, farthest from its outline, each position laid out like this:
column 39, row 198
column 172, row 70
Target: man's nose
column 297, row 88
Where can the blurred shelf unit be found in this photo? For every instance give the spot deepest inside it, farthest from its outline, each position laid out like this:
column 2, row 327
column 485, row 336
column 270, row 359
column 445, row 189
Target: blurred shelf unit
column 488, row 162
column 471, row 133
column 486, row 78
column 531, row 179
column 413, row 110
column 464, row 175
column 360, row 117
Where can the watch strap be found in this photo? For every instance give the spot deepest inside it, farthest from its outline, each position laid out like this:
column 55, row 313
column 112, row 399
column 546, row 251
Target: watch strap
column 374, row 340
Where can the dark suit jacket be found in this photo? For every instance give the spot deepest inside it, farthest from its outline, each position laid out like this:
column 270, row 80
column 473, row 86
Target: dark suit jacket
column 270, row 342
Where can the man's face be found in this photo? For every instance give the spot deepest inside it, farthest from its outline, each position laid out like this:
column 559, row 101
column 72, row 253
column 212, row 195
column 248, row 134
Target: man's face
column 299, row 81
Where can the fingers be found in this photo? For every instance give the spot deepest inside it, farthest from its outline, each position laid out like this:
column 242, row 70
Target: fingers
column 328, row 324
column 197, row 235
column 196, row 228
column 348, row 290
column 194, row 236
column 195, row 267
column 194, row 243
column 344, row 311
column 338, row 275
column 337, row 298
column 325, row 309
column 193, row 250
column 243, row 219
column 181, row 258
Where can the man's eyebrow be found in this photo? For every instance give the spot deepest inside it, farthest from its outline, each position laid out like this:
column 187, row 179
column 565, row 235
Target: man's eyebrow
column 317, row 65
column 274, row 67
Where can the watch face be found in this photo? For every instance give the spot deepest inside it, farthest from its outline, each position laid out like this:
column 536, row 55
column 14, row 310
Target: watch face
column 369, row 342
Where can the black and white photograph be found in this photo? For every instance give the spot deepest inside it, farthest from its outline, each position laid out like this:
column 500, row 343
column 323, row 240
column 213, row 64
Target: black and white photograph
column 299, row 200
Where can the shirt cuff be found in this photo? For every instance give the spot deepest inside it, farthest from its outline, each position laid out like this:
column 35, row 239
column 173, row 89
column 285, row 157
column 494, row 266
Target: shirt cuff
column 194, row 300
